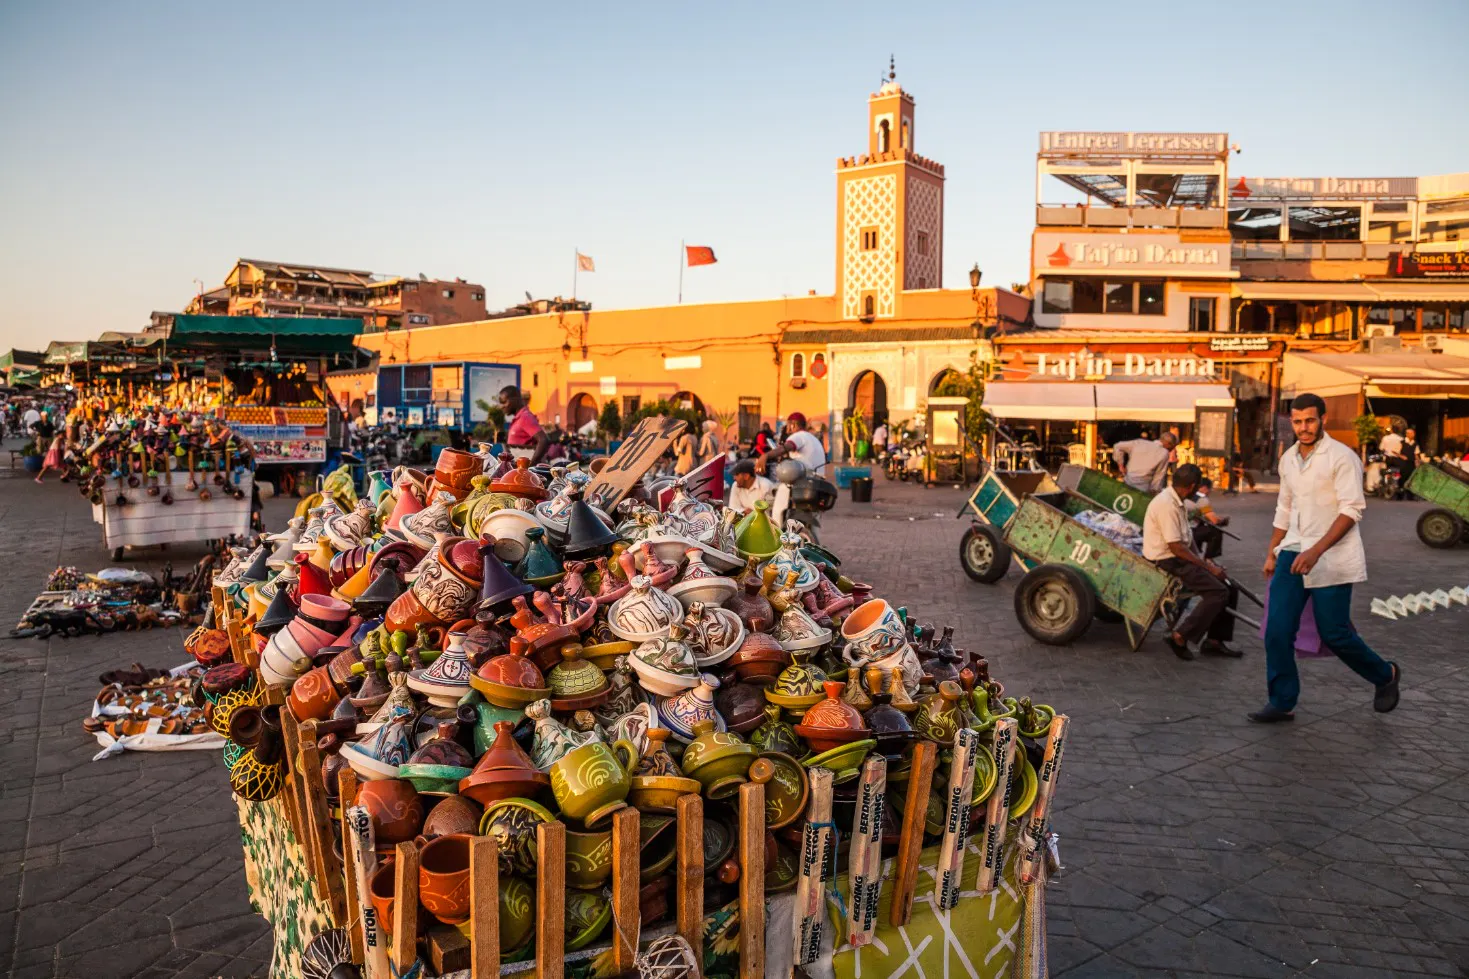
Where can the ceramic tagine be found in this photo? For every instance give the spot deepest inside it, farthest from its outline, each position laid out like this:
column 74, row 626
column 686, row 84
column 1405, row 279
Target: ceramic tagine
column 511, row 680
column 521, row 482
column 775, row 734
column 504, row 771
column 832, row 723
column 644, row 613
column 714, row 633
column 439, row 764
column 553, row 739
column 890, row 726
column 742, row 705
column 447, row 680
column 387, row 749
column 750, row 603
column 666, row 665
column 682, row 711
column 701, row 583
column 799, row 685
column 759, row 659
column 789, row 561
column 795, row 629
column 575, row 683
column 719, row 760
column 938, row 717
column 755, row 535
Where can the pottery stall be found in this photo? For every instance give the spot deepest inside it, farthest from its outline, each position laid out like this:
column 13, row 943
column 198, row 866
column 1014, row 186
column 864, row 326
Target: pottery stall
column 483, row 725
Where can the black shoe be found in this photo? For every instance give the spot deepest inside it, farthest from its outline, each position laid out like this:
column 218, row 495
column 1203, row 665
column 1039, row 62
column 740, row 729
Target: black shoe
column 1180, row 649
column 1271, row 715
column 1216, row 647
column 1386, row 697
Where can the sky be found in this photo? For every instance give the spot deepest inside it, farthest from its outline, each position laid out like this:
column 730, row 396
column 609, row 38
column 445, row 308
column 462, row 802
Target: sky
column 146, row 145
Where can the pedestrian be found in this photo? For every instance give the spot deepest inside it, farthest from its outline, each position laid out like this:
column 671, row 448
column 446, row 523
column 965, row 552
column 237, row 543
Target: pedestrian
column 685, row 453
column 523, row 435
column 880, row 437
column 53, row 458
column 1144, row 462
column 764, row 439
column 1316, row 553
column 1410, row 454
column 709, row 445
column 30, row 419
column 1167, row 542
column 1208, row 538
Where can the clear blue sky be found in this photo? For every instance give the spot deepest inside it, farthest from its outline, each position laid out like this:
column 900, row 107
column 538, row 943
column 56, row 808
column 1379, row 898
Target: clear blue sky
column 144, row 145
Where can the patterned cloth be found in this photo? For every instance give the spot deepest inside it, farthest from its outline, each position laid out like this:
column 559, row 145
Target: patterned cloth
column 280, row 884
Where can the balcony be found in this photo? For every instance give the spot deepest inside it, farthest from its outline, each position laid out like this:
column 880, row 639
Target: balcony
column 1085, row 216
column 1316, row 251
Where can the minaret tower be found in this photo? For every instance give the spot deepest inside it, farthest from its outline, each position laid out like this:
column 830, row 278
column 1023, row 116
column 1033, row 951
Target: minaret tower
column 890, row 212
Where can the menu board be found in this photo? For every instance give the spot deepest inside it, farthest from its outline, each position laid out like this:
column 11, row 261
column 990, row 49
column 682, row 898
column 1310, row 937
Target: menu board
column 1213, row 431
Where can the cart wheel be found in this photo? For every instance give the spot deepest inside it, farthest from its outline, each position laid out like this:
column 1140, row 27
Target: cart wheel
column 1440, row 528
column 984, row 556
column 117, row 554
column 1055, row 604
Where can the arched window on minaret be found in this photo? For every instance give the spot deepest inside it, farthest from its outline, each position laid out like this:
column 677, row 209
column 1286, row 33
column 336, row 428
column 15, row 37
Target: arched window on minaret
column 906, row 144
column 884, row 136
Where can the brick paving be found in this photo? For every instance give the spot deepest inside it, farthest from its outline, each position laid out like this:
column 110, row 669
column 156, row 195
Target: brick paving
column 1195, row 843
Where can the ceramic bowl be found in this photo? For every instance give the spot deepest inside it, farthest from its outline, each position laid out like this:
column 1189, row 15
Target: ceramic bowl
column 588, row 858
column 669, row 548
column 488, row 787
column 713, row 592
column 720, row 761
column 784, row 872
column 512, row 822
column 659, row 681
column 508, row 527
column 660, row 793
column 734, row 628
column 787, row 788
column 657, row 845
column 517, row 913
column 844, row 761
column 741, row 705
column 1022, row 795
column 366, row 766
column 395, row 808
column 453, row 814
column 436, row 780
column 587, row 915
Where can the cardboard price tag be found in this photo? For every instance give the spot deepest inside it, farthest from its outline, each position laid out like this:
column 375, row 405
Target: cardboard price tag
column 636, row 455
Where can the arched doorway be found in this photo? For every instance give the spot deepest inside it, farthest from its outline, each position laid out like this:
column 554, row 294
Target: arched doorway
column 947, row 375
column 869, row 397
column 689, row 401
column 580, row 410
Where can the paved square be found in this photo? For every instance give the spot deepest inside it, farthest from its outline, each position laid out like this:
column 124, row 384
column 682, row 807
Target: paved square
column 1195, row 843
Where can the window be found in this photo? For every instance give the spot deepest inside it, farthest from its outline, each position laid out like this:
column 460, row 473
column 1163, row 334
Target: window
column 1254, row 223
column 1150, row 298
column 1201, row 314
column 921, row 243
column 1118, row 296
column 448, row 293
column 884, row 135
column 798, row 365
column 535, row 379
column 479, row 297
column 1433, row 319
column 410, row 287
column 1325, row 223
column 1056, row 297
column 869, row 305
column 630, row 405
column 1087, row 296
column 869, row 239
column 418, row 319
column 907, row 140
column 750, row 417
column 417, row 384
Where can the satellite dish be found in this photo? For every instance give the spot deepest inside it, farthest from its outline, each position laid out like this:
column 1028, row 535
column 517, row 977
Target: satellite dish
column 528, row 296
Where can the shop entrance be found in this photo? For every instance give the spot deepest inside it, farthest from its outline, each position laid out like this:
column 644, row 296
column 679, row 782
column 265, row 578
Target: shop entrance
column 688, row 401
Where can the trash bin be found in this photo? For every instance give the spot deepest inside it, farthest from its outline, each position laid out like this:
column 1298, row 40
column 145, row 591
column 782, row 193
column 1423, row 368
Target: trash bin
column 862, row 489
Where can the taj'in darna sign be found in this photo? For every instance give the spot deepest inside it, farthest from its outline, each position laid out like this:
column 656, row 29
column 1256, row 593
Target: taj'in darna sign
column 1071, row 367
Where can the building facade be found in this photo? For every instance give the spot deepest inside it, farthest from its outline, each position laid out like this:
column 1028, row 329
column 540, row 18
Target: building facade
column 259, row 288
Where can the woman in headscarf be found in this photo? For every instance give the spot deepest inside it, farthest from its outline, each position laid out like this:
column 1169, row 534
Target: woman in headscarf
column 709, row 443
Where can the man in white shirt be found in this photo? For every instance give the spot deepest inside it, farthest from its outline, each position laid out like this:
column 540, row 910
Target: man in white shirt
column 1168, row 543
column 749, row 488
column 1316, row 553
column 1144, row 463
column 30, row 419
column 800, row 445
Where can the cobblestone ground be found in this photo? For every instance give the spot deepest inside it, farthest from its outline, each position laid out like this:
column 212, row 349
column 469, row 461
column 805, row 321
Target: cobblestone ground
column 1195, row 843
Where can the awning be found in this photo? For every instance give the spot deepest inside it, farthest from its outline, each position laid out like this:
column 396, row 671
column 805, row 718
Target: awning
column 1374, row 291
column 1055, row 400
column 1160, row 401
column 289, row 334
column 1419, row 292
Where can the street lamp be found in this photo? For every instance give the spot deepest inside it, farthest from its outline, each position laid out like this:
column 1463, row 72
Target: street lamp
column 974, row 275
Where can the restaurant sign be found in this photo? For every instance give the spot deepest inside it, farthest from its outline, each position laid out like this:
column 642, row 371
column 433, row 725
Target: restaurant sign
column 1323, row 188
column 1428, row 264
column 1089, row 367
column 1239, row 343
column 1140, row 254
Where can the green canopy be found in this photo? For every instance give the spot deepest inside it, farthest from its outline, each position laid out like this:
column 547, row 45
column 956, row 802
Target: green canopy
column 290, row 334
column 22, row 358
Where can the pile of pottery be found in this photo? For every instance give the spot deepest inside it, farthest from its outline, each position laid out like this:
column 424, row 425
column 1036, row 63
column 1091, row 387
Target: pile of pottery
column 488, row 651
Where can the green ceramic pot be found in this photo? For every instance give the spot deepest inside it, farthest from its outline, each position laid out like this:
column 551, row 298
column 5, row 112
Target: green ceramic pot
column 755, row 535
column 512, row 822
column 588, row 858
column 587, row 916
column 591, row 782
column 720, row 760
column 517, row 912
column 539, row 563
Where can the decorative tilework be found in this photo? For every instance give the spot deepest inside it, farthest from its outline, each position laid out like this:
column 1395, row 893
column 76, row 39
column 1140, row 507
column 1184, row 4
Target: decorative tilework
column 869, row 202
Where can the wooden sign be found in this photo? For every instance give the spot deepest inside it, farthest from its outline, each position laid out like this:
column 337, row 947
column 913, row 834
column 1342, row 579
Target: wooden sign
column 816, row 846
column 359, row 846
column 636, row 455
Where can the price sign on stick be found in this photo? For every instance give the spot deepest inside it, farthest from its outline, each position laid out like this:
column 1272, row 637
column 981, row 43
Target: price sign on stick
column 993, row 845
column 1033, row 857
column 360, row 847
column 959, row 793
column 636, row 455
column 865, row 867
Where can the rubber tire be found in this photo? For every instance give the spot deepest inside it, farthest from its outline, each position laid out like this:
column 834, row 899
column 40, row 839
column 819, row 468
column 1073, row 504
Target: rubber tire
column 888, row 472
column 985, row 539
column 1440, row 528
column 1065, row 584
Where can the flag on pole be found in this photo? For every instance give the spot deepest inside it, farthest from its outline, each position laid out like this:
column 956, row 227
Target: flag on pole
column 584, row 263
column 700, row 255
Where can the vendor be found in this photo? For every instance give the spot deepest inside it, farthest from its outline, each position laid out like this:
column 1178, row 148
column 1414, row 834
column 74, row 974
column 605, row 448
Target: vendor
column 1144, row 462
column 1166, row 542
column 749, row 487
column 523, row 435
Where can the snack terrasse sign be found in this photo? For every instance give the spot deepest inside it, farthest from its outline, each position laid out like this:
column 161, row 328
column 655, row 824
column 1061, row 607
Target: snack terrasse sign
column 1428, row 264
column 1059, row 254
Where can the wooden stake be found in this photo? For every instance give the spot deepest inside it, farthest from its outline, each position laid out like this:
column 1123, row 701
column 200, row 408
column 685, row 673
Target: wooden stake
column 752, row 879
column 690, row 881
column 998, row 813
column 626, row 914
column 910, row 840
column 327, row 870
column 957, row 797
column 295, row 801
column 551, row 900
column 816, row 844
column 1034, row 834
column 405, row 907
column 484, row 908
column 865, row 860
column 347, row 795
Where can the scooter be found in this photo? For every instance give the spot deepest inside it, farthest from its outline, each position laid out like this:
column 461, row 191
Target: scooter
column 1382, row 480
column 800, row 499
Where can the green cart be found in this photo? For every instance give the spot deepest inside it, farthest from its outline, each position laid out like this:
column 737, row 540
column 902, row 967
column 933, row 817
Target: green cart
column 1446, row 485
column 1072, row 573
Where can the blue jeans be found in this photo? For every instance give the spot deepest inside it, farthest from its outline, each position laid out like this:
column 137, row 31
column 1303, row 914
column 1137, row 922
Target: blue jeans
column 1333, row 605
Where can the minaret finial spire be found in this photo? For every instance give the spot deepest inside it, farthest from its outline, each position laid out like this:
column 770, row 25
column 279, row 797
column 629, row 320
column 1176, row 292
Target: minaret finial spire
column 892, row 68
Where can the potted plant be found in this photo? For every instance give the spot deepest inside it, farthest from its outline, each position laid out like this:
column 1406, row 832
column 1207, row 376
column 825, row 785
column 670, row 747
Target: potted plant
column 31, row 457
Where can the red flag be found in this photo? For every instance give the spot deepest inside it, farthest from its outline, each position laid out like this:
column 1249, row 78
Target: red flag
column 700, row 255
column 584, row 263
column 704, row 483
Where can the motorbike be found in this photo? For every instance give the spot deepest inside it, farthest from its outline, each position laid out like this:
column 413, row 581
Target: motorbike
column 1382, row 480
column 904, row 461
column 800, row 499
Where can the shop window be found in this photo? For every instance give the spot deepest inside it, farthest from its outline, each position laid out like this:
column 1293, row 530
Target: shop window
column 798, row 365
column 1118, row 296
column 1433, row 319
column 1457, row 319
column 1056, row 297
column 630, row 405
column 1325, row 223
column 1253, row 317
column 1201, row 314
column 1176, row 189
column 1254, row 223
column 1445, row 220
column 1087, row 296
column 749, row 418
column 1150, row 298
column 869, row 239
column 1287, row 318
column 1390, row 231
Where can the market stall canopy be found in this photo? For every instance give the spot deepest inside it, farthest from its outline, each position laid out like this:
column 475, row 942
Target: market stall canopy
column 1154, row 401
column 288, row 334
column 21, row 358
column 1381, row 375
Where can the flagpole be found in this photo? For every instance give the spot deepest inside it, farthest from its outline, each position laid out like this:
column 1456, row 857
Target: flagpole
column 680, row 270
column 575, row 268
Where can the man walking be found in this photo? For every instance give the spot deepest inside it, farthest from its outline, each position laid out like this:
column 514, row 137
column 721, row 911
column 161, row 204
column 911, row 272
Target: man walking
column 1316, row 553
column 1166, row 542
column 1144, row 463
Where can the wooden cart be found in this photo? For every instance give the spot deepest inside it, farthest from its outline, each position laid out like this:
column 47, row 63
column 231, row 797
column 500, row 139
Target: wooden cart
column 145, row 521
column 1446, row 486
column 1072, row 574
